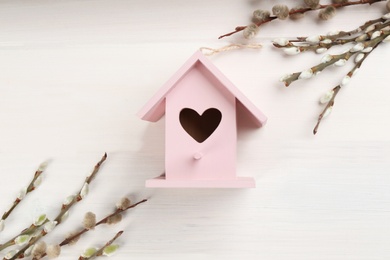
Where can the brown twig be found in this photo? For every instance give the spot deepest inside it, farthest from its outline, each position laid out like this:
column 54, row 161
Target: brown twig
column 31, row 187
column 63, row 211
column 336, row 89
column 328, row 41
column 366, row 38
column 101, row 250
column 318, row 68
column 302, row 11
column 102, row 221
column 328, row 106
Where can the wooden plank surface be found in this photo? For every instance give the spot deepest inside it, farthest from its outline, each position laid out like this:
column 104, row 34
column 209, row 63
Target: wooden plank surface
column 74, row 73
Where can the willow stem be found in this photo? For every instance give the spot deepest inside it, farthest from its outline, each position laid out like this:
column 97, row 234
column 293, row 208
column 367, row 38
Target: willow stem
column 101, row 250
column 31, row 187
column 302, row 11
column 102, row 221
column 64, row 209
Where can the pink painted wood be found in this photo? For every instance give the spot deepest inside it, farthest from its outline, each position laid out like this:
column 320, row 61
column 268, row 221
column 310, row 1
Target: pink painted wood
column 199, row 86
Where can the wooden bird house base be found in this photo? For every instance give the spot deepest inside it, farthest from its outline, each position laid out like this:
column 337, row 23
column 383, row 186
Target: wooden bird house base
column 239, row 182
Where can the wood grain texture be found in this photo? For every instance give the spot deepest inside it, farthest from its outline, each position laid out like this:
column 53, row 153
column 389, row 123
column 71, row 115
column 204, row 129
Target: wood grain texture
column 74, row 73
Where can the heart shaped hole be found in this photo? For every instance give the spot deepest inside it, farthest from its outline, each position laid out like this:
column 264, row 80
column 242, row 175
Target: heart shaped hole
column 200, row 127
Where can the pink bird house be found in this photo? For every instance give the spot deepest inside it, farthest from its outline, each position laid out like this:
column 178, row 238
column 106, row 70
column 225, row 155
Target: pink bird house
column 201, row 107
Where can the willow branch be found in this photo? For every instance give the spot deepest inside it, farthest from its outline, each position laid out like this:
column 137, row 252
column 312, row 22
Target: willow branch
column 374, row 43
column 302, row 11
column 101, row 250
column 31, row 187
column 326, row 109
column 328, row 41
column 102, row 221
column 64, row 209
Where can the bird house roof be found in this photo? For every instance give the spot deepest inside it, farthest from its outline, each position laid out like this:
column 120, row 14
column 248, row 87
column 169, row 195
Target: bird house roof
column 155, row 108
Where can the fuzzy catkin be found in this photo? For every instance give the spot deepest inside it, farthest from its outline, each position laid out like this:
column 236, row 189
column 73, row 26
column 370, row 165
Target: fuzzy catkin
column 123, row 203
column 260, row 15
column 89, row 221
column 74, row 239
column 53, row 251
column 296, row 16
column 327, row 13
column 114, row 219
column 313, row 4
column 281, row 11
column 250, row 31
column 39, row 250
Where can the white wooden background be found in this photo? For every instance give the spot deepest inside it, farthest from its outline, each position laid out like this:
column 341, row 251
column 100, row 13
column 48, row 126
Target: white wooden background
column 74, row 73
